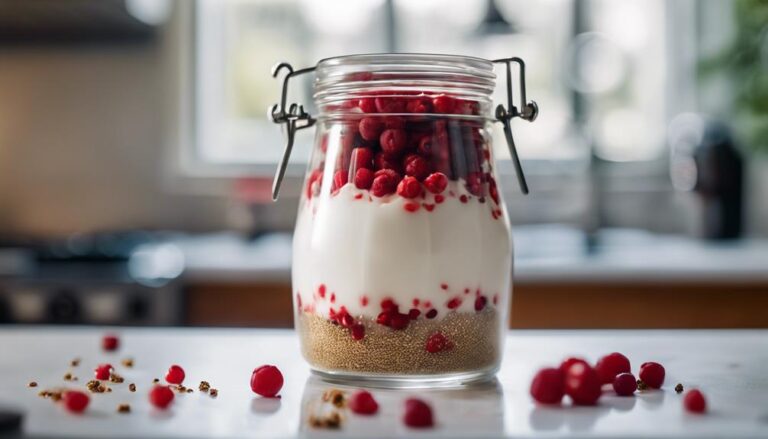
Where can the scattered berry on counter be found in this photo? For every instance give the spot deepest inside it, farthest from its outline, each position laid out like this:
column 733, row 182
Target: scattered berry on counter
column 652, row 374
column 124, row 408
column 175, row 375
column 102, row 371
column 363, row 403
column 204, row 386
column 110, row 342
column 679, row 388
column 32, row 384
column 570, row 361
column 75, row 401
column 132, row 387
column 611, row 365
column 548, row 386
column 161, row 396
column 582, row 384
column 266, row 381
column 625, row 384
column 694, row 401
column 418, row 414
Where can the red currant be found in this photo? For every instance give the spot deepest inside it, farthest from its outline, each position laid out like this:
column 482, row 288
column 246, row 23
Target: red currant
column 161, row 396
column 582, row 384
column 694, row 401
column 266, row 381
column 611, row 365
column 652, row 374
column 75, row 401
column 175, row 374
column 418, row 414
column 625, row 384
column 110, row 342
column 548, row 386
column 363, row 403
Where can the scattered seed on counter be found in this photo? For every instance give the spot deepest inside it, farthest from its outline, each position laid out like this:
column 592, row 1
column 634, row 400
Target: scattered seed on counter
column 204, row 386
column 127, row 362
column 32, row 384
column 180, row 388
column 155, row 381
column 641, row 385
column 335, row 397
column 109, row 389
column 679, row 388
column 115, row 378
column 190, row 390
column 69, row 377
column 75, row 362
column 95, row 386
column 54, row 395
column 214, row 393
column 124, row 408
column 132, row 387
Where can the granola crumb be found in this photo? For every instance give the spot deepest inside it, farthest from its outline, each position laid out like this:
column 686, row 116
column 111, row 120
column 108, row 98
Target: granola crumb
column 155, row 381
column 214, row 393
column 181, row 389
column 331, row 421
column 32, row 384
column 204, row 386
column 679, row 388
column 124, row 408
column 190, row 390
column 127, row 362
column 115, row 378
column 109, row 389
column 335, row 397
column 69, row 377
column 93, row 386
column 75, row 362
column 641, row 385
column 132, row 387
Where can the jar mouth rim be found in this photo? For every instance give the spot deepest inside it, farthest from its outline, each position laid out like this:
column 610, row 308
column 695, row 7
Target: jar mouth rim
column 406, row 58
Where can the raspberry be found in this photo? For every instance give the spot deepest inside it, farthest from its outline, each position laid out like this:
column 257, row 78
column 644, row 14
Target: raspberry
column 358, row 331
column 389, row 305
column 103, row 371
column 339, row 180
column 370, row 128
column 385, row 161
column 175, row 374
column 418, row 414
column 409, row 187
column 384, row 318
column 436, row 183
column 454, row 303
column 480, row 303
column 652, row 374
column 363, row 178
column 346, row 320
column 444, row 104
column 394, row 123
column 624, row 384
column 424, row 146
column 399, row 321
column 368, row 105
column 463, row 198
column 390, row 105
column 75, row 401
column 362, row 403
column 429, row 207
column 431, row 314
column 161, row 396
column 361, row 158
column 110, row 342
column 419, row 105
column 439, row 199
column 611, row 365
column 414, row 314
column 694, row 401
column 438, row 342
column 548, row 386
column 384, row 182
column 393, row 141
column 321, row 291
column 582, row 384
column 266, row 381
column 416, row 166
column 568, row 362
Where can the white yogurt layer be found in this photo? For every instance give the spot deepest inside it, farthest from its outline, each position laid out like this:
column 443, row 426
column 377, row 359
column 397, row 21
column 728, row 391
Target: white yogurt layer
column 374, row 248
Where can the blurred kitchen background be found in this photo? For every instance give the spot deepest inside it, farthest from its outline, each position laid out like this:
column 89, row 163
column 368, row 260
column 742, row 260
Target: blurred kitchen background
column 136, row 157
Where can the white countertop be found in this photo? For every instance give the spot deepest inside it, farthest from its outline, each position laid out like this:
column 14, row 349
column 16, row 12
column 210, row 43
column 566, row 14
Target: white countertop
column 729, row 366
column 542, row 254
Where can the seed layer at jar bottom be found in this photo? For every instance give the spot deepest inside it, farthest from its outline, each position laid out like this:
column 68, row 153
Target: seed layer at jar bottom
column 460, row 342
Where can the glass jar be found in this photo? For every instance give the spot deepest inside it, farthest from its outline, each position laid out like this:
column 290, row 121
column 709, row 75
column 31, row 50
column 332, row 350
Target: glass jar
column 402, row 251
